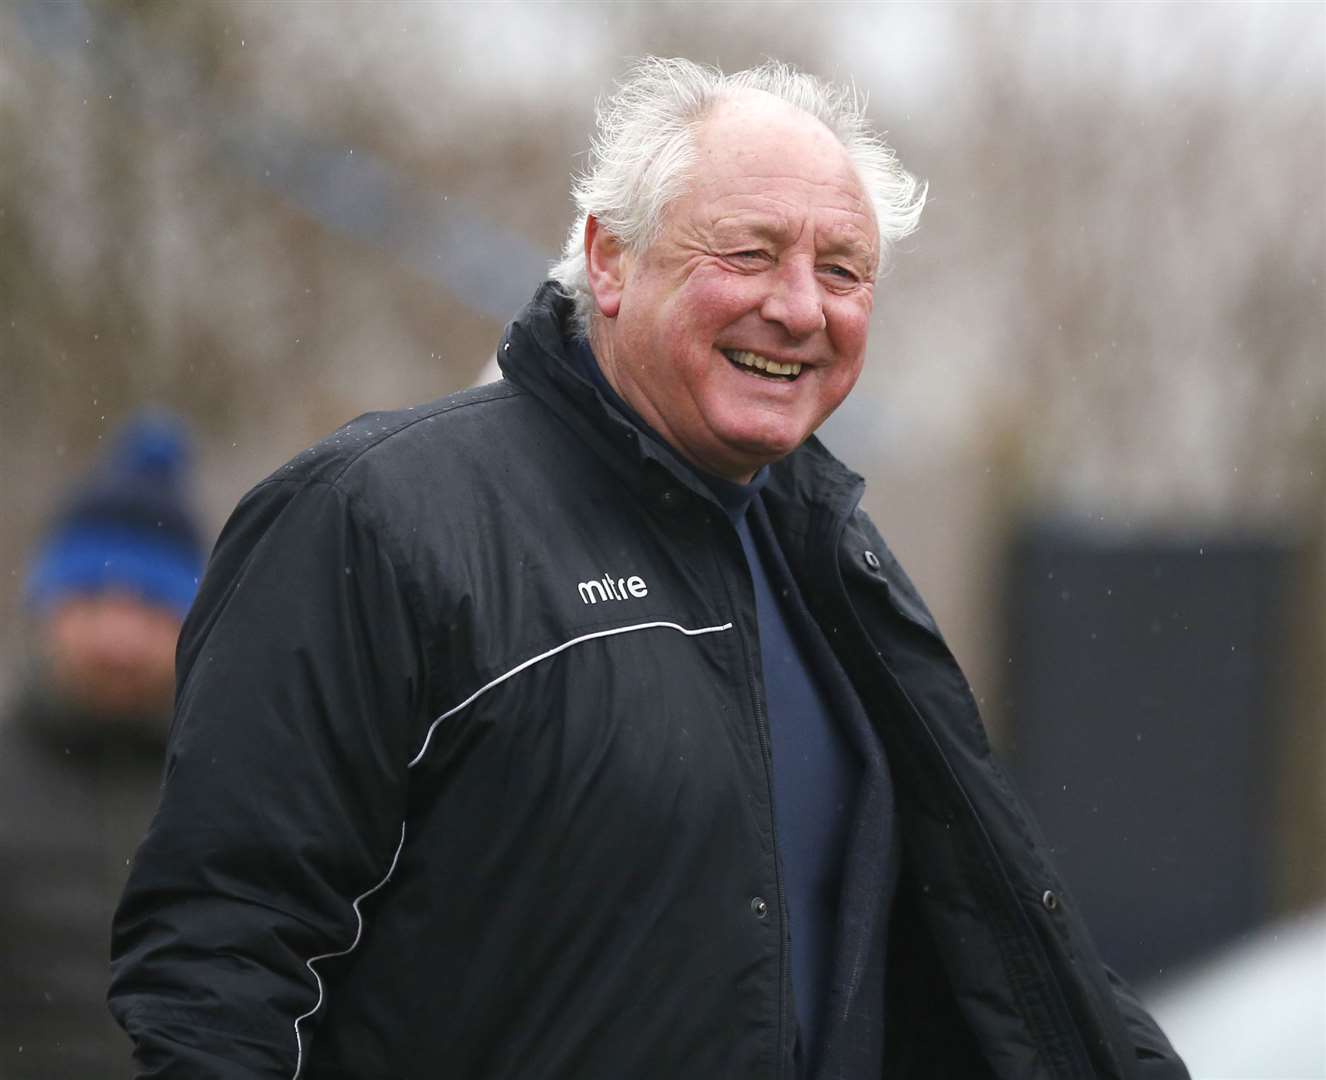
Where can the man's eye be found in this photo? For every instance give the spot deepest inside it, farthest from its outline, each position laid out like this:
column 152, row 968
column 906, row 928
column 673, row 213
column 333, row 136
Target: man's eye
column 842, row 272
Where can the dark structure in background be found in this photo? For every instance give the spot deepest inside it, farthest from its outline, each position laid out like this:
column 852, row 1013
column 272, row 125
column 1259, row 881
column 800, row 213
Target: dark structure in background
column 1145, row 682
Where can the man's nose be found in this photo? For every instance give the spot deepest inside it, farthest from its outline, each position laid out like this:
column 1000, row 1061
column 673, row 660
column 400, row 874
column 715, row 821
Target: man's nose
column 795, row 300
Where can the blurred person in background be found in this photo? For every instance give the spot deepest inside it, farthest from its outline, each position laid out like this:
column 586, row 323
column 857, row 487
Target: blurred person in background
column 82, row 746
column 581, row 726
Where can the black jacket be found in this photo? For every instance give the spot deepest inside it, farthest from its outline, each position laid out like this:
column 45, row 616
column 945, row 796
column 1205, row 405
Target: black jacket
column 470, row 778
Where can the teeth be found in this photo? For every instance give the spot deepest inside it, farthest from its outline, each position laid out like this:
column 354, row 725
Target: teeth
column 755, row 360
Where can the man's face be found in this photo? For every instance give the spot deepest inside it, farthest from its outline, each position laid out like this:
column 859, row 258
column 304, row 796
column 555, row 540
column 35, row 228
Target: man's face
column 743, row 326
column 112, row 653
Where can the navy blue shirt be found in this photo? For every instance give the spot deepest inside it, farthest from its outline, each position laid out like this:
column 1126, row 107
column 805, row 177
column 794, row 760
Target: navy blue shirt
column 816, row 767
column 816, row 770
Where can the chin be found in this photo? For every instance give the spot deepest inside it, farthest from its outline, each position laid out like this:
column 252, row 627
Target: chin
column 766, row 448
column 745, row 443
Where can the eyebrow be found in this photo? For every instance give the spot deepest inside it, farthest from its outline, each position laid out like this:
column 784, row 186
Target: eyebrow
column 769, row 227
column 846, row 242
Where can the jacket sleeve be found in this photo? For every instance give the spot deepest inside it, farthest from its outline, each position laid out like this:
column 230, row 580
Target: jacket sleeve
column 284, row 792
column 1156, row 1058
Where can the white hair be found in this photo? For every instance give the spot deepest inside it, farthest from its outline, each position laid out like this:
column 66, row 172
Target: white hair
column 644, row 147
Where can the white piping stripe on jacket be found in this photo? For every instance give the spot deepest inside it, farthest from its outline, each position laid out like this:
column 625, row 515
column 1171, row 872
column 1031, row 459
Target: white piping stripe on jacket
column 553, row 652
column 359, row 931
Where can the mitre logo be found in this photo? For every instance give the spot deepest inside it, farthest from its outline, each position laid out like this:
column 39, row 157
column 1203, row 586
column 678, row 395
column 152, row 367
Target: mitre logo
column 591, row 592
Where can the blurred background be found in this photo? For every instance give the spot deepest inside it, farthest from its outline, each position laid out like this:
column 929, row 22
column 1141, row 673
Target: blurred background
column 1091, row 420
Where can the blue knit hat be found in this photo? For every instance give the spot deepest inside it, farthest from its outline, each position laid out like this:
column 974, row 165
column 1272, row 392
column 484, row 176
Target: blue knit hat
column 128, row 525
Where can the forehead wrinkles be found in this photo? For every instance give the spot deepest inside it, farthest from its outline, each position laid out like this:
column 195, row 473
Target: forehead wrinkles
column 842, row 193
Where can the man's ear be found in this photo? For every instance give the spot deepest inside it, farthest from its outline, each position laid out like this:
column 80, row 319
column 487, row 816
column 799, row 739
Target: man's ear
column 606, row 265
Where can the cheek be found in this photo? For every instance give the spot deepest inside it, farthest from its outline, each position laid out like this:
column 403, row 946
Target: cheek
column 840, row 384
column 849, row 325
column 849, row 343
column 713, row 301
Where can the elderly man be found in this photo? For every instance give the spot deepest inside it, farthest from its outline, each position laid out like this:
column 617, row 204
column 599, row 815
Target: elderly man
column 580, row 725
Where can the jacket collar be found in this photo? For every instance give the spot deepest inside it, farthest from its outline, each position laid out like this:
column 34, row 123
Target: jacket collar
column 535, row 354
column 809, row 492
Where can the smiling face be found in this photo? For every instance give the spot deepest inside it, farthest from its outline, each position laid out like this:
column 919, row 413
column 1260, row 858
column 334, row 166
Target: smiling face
column 743, row 326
